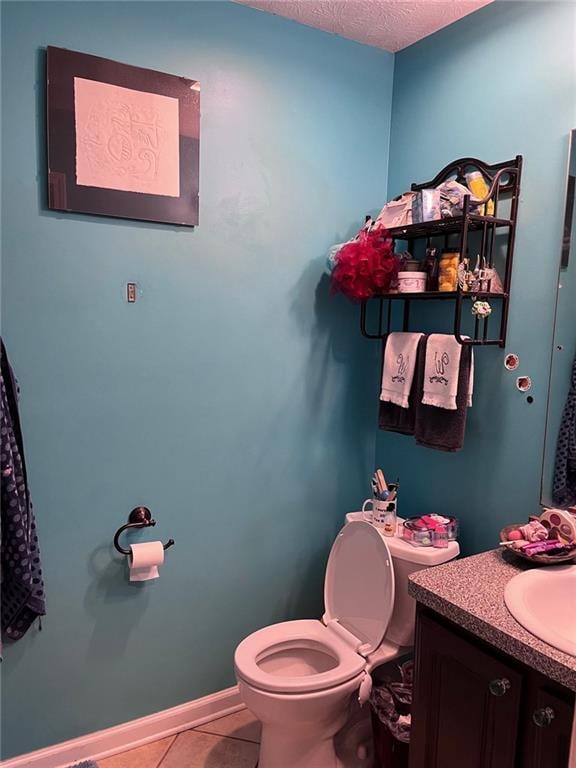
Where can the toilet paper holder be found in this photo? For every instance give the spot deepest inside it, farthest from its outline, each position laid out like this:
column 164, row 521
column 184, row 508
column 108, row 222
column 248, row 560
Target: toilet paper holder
column 140, row 517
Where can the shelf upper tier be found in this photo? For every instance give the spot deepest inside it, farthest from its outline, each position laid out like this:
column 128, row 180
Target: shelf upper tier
column 442, row 295
column 445, row 226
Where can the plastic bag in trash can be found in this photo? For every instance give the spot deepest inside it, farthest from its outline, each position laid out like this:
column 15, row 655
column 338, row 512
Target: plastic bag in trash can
column 391, row 699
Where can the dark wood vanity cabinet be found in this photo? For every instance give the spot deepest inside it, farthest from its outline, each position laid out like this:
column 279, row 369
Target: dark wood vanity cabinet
column 474, row 707
column 546, row 736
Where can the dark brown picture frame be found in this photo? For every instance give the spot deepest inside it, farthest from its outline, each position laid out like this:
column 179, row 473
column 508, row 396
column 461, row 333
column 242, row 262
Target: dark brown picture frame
column 64, row 194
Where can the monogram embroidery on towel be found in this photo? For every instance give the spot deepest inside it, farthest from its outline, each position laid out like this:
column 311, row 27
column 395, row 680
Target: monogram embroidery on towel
column 440, row 365
column 402, row 366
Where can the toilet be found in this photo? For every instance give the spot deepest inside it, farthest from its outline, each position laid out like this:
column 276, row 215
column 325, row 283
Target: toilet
column 299, row 678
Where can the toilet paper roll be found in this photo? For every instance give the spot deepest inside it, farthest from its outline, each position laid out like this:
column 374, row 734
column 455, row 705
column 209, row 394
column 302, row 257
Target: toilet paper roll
column 145, row 559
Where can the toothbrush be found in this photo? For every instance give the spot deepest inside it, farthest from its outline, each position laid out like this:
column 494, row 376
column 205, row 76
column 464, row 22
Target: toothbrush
column 381, row 480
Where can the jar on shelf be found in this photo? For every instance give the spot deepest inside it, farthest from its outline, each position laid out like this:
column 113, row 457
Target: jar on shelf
column 448, row 270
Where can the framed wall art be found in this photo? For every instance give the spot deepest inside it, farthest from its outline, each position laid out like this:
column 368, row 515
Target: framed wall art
column 122, row 141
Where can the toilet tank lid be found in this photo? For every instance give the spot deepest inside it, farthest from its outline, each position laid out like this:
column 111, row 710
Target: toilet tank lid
column 400, row 549
column 359, row 584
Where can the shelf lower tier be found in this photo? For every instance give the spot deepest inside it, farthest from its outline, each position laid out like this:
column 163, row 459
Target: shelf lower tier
column 477, row 337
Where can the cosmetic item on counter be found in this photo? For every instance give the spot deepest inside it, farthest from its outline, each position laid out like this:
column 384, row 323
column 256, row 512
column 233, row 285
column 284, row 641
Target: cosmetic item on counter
column 448, row 270
column 550, row 547
column 513, row 544
column 533, row 531
column 430, row 530
column 412, row 282
column 431, row 269
column 479, row 188
column 559, row 524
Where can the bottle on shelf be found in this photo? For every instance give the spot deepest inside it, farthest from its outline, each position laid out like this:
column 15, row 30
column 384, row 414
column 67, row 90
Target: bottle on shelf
column 478, row 186
column 431, row 269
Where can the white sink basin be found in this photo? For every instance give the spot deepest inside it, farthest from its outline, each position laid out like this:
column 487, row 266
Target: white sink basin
column 544, row 602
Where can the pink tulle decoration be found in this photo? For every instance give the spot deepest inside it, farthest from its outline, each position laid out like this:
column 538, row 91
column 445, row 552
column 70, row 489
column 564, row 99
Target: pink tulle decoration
column 365, row 267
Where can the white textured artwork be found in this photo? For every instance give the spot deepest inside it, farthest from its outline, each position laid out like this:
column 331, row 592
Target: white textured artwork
column 126, row 139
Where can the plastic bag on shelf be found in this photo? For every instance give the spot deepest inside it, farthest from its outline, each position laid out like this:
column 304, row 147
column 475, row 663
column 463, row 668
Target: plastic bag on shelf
column 452, row 198
column 397, row 212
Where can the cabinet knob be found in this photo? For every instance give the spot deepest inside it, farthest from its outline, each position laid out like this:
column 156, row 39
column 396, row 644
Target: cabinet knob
column 499, row 687
column 543, row 717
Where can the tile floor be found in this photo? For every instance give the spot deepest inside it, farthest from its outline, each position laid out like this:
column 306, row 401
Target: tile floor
column 229, row 742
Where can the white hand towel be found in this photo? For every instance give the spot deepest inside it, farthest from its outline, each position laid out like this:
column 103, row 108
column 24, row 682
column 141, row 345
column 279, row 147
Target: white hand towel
column 398, row 369
column 441, row 372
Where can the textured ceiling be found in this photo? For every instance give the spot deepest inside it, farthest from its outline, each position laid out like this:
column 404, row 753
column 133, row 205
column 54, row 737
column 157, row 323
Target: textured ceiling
column 388, row 24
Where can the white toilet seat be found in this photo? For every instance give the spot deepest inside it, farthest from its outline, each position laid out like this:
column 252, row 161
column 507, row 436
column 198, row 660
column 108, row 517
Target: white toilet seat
column 296, row 657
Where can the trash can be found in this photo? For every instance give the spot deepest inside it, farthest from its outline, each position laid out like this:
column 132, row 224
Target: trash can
column 391, row 704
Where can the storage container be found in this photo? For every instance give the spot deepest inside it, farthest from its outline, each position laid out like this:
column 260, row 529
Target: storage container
column 412, row 282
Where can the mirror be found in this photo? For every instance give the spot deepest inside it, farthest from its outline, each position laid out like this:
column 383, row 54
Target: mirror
column 559, row 469
column 569, row 236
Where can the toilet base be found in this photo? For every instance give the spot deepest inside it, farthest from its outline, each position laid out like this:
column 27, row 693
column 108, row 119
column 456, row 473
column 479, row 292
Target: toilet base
column 279, row 748
column 298, row 730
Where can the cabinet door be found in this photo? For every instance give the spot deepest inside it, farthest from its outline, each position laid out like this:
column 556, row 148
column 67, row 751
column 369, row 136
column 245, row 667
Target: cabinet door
column 547, row 725
column 466, row 703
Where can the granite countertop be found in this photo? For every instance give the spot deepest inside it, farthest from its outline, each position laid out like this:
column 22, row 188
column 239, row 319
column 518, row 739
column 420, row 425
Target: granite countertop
column 470, row 592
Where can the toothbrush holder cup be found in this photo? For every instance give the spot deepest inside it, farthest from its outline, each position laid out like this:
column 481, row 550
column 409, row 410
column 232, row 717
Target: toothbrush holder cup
column 382, row 513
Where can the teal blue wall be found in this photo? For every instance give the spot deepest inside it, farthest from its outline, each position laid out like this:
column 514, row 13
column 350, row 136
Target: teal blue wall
column 498, row 83
column 234, row 398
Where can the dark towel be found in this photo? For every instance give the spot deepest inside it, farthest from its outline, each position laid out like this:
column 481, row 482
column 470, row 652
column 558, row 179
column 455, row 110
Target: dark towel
column 440, row 428
column 22, row 586
column 394, row 418
column 564, row 481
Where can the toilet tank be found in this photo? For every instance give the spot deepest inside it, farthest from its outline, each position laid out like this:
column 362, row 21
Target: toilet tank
column 406, row 559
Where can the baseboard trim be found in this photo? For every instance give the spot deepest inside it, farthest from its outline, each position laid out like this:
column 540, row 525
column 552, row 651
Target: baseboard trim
column 135, row 733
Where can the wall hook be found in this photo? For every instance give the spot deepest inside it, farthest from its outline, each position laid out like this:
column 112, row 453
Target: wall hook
column 140, row 517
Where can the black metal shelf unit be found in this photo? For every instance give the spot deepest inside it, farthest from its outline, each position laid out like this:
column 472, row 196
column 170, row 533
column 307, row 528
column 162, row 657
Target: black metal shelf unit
column 504, row 182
